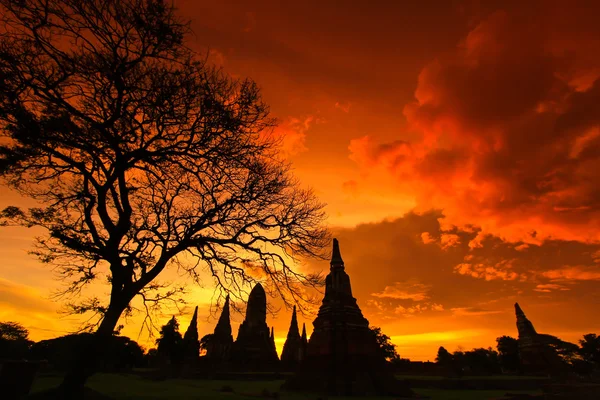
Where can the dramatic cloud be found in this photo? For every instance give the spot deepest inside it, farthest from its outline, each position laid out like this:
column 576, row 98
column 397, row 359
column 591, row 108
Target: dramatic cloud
column 292, row 135
column 410, row 290
column 549, row 287
column 501, row 270
column 508, row 135
column 472, row 311
column 573, row 273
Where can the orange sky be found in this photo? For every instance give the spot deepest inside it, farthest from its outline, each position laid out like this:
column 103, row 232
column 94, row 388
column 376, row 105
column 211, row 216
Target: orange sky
column 457, row 145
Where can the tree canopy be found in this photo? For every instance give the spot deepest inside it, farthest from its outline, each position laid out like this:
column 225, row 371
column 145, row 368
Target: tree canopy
column 386, row 347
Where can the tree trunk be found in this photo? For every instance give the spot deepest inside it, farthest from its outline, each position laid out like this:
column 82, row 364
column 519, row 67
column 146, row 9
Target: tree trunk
column 86, row 361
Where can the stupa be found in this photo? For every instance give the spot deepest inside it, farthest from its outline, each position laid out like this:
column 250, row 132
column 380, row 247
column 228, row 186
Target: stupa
column 292, row 352
column 535, row 352
column 254, row 346
column 342, row 353
column 219, row 348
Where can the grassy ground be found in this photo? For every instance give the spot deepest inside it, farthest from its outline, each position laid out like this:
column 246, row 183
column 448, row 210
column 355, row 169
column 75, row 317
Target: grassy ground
column 128, row 387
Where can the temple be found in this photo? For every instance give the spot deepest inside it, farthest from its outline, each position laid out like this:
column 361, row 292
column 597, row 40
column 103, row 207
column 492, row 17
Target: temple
column 535, row 352
column 342, row 355
column 293, row 349
column 254, row 346
column 219, row 348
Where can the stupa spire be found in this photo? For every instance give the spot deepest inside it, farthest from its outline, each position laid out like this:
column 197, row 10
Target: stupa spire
column 524, row 325
column 219, row 347
column 224, row 325
column 191, row 343
column 304, row 338
column 336, row 256
column 293, row 331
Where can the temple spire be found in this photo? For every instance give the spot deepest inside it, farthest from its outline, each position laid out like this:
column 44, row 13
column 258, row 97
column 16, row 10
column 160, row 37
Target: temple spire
column 518, row 310
column 524, row 325
column 336, row 256
column 224, row 325
column 293, row 331
column 191, row 343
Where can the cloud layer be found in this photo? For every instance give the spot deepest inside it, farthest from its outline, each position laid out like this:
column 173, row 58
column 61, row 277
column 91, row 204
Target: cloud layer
column 507, row 129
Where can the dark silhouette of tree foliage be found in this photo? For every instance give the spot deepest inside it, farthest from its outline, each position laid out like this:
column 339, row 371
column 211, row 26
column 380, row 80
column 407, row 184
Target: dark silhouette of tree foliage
column 14, row 340
column 205, row 342
column 590, row 348
column 170, row 343
column 386, row 348
column 142, row 156
column 13, row 331
column 508, row 353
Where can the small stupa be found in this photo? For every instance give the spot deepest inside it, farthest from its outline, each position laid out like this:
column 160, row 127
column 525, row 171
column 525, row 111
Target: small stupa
column 342, row 353
column 292, row 352
column 219, row 348
column 191, row 344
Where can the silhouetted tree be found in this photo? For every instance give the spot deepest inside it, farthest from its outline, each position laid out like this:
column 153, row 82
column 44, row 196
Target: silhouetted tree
column 443, row 357
column 386, row 348
column 120, row 352
column 481, row 361
column 590, row 348
column 508, row 353
column 141, row 157
column 567, row 351
column 170, row 342
column 151, row 358
column 204, row 342
column 14, row 340
column 13, row 331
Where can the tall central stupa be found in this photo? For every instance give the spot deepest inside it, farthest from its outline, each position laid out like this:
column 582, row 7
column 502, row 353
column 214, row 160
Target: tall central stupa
column 342, row 356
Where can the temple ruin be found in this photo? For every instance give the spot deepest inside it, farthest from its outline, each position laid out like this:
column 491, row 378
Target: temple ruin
column 535, row 352
column 255, row 347
column 342, row 355
column 293, row 349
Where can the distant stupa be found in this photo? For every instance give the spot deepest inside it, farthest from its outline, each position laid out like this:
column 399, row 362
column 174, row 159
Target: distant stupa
column 292, row 352
column 535, row 352
column 342, row 353
column 219, row 347
column 254, row 346
column 191, row 344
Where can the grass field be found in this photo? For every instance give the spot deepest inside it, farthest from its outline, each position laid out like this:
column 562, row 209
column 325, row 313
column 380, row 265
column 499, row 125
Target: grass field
column 128, row 387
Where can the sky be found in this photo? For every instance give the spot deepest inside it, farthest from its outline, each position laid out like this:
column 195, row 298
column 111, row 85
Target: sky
column 456, row 144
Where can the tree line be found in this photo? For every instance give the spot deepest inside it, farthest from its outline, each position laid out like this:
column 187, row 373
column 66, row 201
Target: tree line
column 582, row 358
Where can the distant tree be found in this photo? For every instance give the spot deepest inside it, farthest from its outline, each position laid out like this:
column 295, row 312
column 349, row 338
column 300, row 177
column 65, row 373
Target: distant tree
column 590, row 348
column 386, row 348
column 205, row 342
column 151, row 358
column 142, row 157
column 481, row 361
column 567, row 351
column 14, row 340
column 13, row 331
column 508, row 353
column 125, row 353
column 443, row 357
column 170, row 342
column 121, row 352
